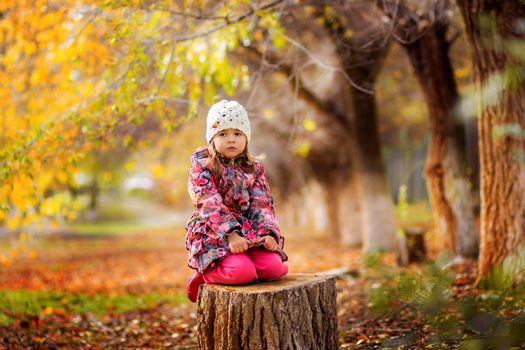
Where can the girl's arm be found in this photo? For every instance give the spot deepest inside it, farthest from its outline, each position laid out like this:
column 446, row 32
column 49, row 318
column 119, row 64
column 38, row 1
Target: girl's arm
column 261, row 208
column 208, row 202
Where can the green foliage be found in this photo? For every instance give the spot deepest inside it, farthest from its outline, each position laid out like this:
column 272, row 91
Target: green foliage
column 109, row 227
column 425, row 290
column 508, row 275
column 402, row 202
column 25, row 302
column 489, row 319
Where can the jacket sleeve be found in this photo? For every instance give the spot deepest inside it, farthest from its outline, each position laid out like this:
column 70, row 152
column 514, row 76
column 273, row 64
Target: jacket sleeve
column 262, row 212
column 208, row 202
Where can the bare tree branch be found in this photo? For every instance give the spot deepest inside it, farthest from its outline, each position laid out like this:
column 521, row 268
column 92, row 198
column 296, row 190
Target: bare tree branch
column 410, row 26
column 166, row 69
column 228, row 22
column 327, row 67
column 202, row 34
column 297, row 85
column 174, row 12
column 367, row 41
column 149, row 99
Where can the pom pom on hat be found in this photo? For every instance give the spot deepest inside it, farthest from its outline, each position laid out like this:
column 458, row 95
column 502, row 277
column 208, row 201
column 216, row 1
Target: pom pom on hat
column 227, row 115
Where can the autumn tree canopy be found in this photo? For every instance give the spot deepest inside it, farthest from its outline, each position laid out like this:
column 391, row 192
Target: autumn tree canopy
column 81, row 77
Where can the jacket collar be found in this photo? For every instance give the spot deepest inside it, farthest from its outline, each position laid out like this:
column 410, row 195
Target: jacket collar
column 232, row 161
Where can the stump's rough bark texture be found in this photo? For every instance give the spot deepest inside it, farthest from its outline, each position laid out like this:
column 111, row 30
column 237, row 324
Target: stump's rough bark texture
column 295, row 312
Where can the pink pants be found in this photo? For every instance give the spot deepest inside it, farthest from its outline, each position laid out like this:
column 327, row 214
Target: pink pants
column 244, row 268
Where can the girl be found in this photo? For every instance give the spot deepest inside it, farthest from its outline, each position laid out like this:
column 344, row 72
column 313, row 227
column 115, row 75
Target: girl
column 232, row 236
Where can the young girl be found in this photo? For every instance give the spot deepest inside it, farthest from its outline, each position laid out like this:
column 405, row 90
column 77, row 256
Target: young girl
column 232, row 236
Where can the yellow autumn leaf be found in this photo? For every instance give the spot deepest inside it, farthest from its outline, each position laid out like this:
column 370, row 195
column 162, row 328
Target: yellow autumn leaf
column 30, row 48
column 268, row 113
column 50, row 207
column 258, row 35
column 157, row 171
column 62, row 176
column 71, row 215
column 107, row 176
column 12, row 223
column 461, row 72
column 4, row 260
column 76, row 205
column 309, row 125
column 130, row 166
column 33, row 254
column 302, row 149
column 13, row 252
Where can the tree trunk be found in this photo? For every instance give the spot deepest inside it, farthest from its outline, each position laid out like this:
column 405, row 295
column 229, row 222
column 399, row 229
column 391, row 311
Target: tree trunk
column 362, row 55
column 344, row 212
column 445, row 169
column 492, row 26
column 350, row 218
column 377, row 208
column 333, row 201
column 413, row 247
column 295, row 312
column 309, row 211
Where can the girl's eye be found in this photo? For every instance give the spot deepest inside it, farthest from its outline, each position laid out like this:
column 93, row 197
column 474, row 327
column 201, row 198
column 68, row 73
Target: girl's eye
column 237, row 134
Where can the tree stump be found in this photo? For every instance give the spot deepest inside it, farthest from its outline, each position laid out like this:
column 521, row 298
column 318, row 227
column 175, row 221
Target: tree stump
column 413, row 248
column 295, row 312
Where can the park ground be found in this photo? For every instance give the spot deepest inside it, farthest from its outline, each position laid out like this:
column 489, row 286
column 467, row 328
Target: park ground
column 100, row 290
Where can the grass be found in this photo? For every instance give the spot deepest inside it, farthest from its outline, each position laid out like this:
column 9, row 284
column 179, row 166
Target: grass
column 114, row 218
column 28, row 302
column 111, row 218
column 111, row 227
column 119, row 228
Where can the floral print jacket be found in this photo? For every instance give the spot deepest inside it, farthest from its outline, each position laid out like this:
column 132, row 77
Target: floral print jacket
column 237, row 201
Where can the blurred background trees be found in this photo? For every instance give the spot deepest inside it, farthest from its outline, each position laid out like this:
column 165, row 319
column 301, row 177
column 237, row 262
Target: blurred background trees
column 100, row 99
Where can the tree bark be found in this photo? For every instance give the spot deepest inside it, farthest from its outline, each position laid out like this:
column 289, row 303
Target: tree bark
column 378, row 221
column 344, row 212
column 362, row 55
column 491, row 26
column 295, row 312
column 445, row 171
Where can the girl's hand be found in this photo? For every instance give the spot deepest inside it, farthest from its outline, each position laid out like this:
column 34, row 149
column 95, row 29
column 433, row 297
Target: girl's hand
column 237, row 243
column 270, row 243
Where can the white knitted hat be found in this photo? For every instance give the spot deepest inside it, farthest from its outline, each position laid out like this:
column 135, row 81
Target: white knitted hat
column 227, row 115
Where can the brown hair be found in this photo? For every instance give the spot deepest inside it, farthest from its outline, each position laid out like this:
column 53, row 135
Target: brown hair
column 215, row 162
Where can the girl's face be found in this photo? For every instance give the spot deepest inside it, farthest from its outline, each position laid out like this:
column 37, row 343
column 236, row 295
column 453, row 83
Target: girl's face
column 230, row 142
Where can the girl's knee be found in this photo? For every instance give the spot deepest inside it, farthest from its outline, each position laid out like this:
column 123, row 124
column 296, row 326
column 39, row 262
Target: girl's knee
column 243, row 274
column 272, row 269
column 235, row 269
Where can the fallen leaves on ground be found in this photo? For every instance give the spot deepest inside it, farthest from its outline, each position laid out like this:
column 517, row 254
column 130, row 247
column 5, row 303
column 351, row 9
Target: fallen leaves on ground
column 162, row 326
column 156, row 262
